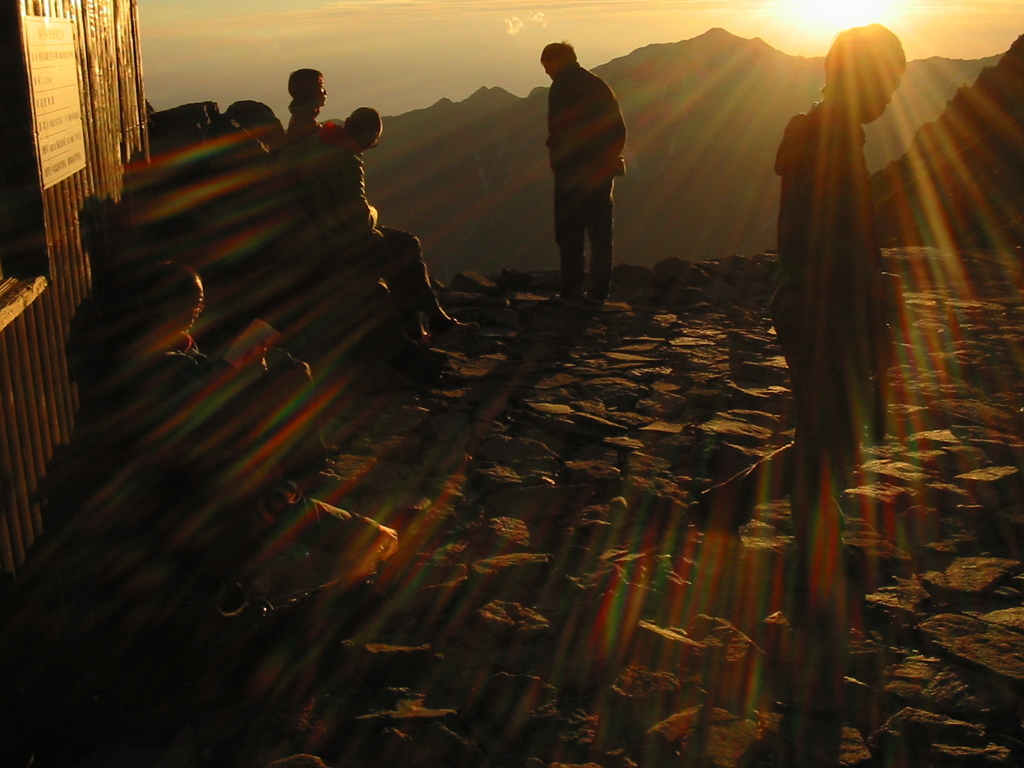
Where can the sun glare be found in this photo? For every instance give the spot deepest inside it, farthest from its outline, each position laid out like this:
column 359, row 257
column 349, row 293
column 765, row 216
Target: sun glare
column 835, row 15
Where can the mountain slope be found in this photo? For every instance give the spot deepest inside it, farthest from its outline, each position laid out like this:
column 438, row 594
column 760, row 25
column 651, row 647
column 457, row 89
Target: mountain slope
column 961, row 183
column 704, row 116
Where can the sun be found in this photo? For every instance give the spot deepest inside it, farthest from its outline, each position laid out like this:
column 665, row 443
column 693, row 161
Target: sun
column 835, row 15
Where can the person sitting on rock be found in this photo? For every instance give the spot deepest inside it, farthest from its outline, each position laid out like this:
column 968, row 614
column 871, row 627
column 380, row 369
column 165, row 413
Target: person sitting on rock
column 306, row 87
column 235, row 423
column 357, row 256
column 197, row 441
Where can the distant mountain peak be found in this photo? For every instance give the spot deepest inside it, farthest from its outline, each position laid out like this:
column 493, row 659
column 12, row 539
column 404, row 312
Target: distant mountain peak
column 716, row 40
column 491, row 95
column 718, row 33
column 721, row 38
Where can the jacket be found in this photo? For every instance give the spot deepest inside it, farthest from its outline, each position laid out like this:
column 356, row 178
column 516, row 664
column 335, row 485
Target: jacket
column 586, row 132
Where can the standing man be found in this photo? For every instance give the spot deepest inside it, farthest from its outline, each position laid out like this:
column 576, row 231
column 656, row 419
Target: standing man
column 586, row 135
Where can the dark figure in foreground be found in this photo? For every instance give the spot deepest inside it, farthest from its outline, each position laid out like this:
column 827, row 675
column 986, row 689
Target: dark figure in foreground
column 830, row 313
column 306, row 87
column 185, row 534
column 208, row 457
column 586, row 136
column 356, row 255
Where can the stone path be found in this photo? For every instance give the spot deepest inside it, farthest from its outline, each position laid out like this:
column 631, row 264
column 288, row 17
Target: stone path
column 552, row 604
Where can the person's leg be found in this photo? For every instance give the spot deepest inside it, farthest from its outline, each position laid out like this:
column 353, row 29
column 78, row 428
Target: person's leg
column 817, row 601
column 402, row 267
column 570, row 233
column 600, row 217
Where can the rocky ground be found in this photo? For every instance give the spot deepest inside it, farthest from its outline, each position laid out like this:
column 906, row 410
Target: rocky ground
column 552, row 605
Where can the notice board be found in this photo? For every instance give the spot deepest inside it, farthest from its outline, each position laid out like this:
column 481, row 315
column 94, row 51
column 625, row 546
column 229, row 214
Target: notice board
column 56, row 97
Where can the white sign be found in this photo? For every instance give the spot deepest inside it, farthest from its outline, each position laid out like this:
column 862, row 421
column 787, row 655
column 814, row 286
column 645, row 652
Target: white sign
column 56, row 97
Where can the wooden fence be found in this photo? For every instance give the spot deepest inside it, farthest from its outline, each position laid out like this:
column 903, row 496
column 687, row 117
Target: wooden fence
column 46, row 254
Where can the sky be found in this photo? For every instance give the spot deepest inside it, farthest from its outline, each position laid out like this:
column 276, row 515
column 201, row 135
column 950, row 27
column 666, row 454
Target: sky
column 401, row 55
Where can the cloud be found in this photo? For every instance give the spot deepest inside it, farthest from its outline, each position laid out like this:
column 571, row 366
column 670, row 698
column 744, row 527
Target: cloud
column 515, row 24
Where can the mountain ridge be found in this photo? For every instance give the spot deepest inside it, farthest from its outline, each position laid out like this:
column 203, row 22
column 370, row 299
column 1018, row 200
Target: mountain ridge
column 704, row 115
column 960, row 184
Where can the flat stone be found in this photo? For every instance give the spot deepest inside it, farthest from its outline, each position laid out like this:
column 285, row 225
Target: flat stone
column 665, row 427
column 1011, row 618
column 738, row 432
column 502, row 623
column 935, row 685
column 600, row 475
column 903, row 602
column 661, row 404
column 556, row 381
column 495, row 478
column 932, row 437
column 665, row 648
column 972, row 576
column 896, row 497
column 412, row 708
column 996, row 650
column 614, row 392
column 595, row 426
column 689, row 341
column 989, row 474
column 557, row 409
column 720, row 737
column 993, row 485
column 507, row 533
column 919, row 727
column 480, row 367
column 895, row 470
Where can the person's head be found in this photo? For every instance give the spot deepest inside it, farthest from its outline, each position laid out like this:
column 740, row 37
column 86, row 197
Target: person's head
column 863, row 69
column 365, row 126
column 556, row 56
column 306, row 86
column 168, row 299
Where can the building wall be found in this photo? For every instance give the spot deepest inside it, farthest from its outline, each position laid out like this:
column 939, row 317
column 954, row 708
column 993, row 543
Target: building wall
column 47, row 258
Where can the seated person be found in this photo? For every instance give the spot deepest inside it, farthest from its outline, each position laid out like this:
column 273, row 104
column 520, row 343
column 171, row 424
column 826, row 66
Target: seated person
column 200, row 441
column 161, row 394
column 328, row 180
column 306, row 87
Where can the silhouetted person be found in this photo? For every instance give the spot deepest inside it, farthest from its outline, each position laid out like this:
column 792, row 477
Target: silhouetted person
column 306, row 87
column 586, row 136
column 830, row 309
column 830, row 313
column 239, row 421
column 329, row 182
